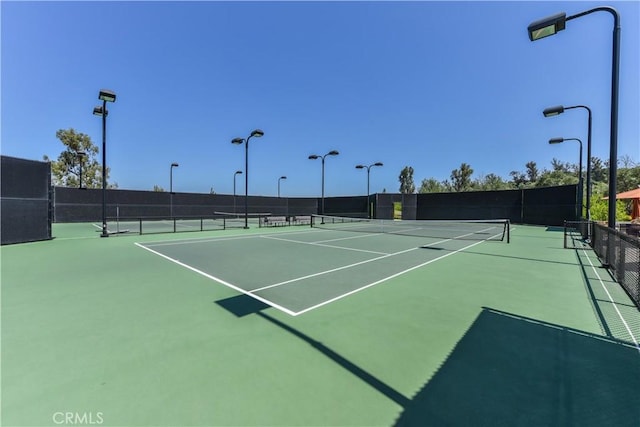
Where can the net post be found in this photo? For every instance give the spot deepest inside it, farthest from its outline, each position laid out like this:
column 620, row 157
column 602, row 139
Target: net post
column 508, row 231
column 564, row 232
column 140, row 223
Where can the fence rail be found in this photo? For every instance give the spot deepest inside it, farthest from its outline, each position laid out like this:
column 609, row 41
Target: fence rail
column 619, row 250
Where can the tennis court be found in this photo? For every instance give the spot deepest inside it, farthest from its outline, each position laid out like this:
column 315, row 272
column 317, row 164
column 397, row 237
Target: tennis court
column 330, row 326
column 303, row 270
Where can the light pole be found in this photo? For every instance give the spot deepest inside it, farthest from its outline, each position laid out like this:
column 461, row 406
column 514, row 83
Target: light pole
column 368, row 168
column 173, row 165
column 557, row 110
column 80, row 155
column 257, row 133
column 234, row 189
column 105, row 95
column 559, row 141
column 315, row 157
column 279, row 179
column 550, row 26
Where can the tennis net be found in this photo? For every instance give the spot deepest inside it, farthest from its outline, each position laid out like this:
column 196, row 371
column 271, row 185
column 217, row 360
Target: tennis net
column 497, row 229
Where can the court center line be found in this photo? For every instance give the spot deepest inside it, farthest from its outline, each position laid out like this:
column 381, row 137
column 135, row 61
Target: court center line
column 386, row 278
column 633, row 338
column 344, row 267
column 326, row 246
column 216, row 279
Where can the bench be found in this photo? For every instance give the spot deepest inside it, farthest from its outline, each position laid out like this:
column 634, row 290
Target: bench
column 273, row 221
column 301, row 220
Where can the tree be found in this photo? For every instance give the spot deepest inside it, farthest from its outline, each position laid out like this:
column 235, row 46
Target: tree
column 65, row 171
column 406, row 181
column 461, row 178
column 598, row 170
column 560, row 166
column 532, row 172
column 627, row 162
column 518, row 179
column 492, row 182
column 628, row 179
column 600, row 210
column 157, row 188
column 556, row 177
column 432, row 185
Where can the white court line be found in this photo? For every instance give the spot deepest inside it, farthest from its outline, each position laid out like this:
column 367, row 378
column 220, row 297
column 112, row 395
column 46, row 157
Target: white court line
column 220, row 239
column 612, row 302
column 251, row 293
column 385, row 279
column 236, row 288
column 326, row 246
column 360, row 236
column 297, row 279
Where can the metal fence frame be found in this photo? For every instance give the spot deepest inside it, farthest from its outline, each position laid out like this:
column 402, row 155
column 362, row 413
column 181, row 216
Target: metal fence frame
column 617, row 250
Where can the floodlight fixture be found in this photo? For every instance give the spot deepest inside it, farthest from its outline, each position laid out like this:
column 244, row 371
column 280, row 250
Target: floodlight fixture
column 368, row 168
column 173, row 165
column 280, row 179
column 255, row 133
column 105, row 95
column 553, row 111
column 315, row 157
column 238, row 172
column 559, row 109
column 550, row 26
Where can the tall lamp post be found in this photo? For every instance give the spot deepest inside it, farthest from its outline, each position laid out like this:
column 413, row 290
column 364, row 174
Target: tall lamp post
column 315, row 157
column 550, row 26
column 557, row 110
column 279, row 179
column 257, row 133
column 173, row 165
column 234, row 189
column 80, row 155
column 105, row 95
column 368, row 168
column 559, row 141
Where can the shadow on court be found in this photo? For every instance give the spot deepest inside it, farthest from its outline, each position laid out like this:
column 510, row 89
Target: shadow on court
column 510, row 370
column 242, row 305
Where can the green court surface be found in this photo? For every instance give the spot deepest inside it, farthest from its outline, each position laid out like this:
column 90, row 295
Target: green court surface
column 300, row 326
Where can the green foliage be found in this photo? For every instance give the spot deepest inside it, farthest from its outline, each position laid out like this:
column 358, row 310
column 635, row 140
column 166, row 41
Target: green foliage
column 158, row 189
column 461, row 178
column 432, row 185
column 561, row 173
column 406, row 181
column 492, row 182
column 600, row 210
column 628, row 179
column 65, row 171
column 555, row 178
column 532, row 171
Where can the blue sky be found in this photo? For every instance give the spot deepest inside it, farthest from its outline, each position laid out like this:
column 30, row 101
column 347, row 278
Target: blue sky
column 424, row 84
